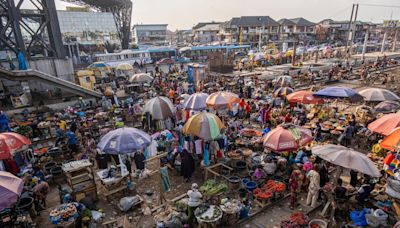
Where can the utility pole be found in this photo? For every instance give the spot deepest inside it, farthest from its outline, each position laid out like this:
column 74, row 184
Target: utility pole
column 354, row 29
column 365, row 44
column 348, row 30
column 395, row 40
column 383, row 42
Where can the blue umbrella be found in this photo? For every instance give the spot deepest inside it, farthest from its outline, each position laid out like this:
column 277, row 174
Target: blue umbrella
column 124, row 141
column 339, row 92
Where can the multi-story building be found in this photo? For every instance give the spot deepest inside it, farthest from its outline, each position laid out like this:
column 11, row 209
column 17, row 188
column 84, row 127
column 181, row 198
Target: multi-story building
column 150, row 34
column 338, row 31
column 297, row 30
column 87, row 27
column 184, row 37
column 249, row 30
column 208, row 32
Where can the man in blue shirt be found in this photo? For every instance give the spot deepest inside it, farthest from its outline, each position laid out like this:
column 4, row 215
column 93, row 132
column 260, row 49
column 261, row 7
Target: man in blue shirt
column 72, row 141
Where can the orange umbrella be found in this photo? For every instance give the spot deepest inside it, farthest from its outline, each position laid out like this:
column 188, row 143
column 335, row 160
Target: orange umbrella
column 304, row 97
column 386, row 124
column 222, row 99
column 391, row 142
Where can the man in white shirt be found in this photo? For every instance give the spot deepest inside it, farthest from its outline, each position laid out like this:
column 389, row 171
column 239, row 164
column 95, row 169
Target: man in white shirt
column 313, row 188
column 194, row 201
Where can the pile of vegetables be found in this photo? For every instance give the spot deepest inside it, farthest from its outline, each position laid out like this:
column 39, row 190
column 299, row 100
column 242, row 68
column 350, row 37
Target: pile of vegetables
column 211, row 187
column 267, row 191
column 297, row 219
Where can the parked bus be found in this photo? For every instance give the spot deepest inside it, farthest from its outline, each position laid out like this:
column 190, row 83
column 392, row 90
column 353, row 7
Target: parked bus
column 200, row 53
column 156, row 54
column 133, row 57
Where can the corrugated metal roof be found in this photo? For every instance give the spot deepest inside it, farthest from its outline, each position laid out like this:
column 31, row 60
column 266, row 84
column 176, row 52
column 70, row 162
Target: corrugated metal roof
column 252, row 21
column 302, row 22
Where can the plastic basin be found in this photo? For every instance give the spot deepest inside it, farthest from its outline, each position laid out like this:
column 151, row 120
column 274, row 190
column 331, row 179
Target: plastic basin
column 251, row 185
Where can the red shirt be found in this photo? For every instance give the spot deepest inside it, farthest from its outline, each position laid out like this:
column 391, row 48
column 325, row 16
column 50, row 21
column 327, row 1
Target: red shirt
column 248, row 109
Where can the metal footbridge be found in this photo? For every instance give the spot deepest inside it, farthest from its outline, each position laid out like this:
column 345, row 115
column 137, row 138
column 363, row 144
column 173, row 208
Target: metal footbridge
column 34, row 75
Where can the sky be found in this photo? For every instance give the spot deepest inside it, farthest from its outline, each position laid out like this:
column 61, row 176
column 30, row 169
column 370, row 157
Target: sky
column 183, row 14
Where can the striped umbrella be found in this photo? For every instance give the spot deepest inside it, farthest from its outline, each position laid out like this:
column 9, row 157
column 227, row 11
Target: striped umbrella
column 222, row 99
column 160, row 108
column 283, row 91
column 196, row 101
column 204, row 125
column 99, row 65
column 124, row 140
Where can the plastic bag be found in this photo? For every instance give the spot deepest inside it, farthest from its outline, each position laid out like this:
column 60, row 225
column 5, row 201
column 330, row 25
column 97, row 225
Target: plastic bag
column 381, row 216
column 394, row 184
column 96, row 215
column 372, row 220
column 358, row 217
column 127, row 202
column 391, row 192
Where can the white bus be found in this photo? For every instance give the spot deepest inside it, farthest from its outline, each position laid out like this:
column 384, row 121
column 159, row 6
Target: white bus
column 126, row 56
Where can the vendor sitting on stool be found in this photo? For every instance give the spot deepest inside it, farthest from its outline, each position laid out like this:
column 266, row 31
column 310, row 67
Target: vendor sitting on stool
column 363, row 192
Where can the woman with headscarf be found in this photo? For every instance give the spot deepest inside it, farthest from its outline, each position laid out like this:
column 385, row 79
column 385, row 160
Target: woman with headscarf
column 187, row 167
column 295, row 183
column 193, row 202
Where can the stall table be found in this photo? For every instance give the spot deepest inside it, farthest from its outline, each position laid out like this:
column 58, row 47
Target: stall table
column 112, row 185
column 80, row 178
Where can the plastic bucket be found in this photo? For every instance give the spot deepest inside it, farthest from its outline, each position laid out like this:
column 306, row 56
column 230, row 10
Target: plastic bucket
column 251, row 185
column 25, row 204
column 321, row 223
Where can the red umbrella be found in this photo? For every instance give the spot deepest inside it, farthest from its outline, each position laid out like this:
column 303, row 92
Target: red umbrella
column 11, row 142
column 287, row 138
column 385, row 124
column 304, row 97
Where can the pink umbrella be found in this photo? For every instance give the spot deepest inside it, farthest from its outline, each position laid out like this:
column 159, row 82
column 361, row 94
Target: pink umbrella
column 10, row 189
column 287, row 138
column 386, row 124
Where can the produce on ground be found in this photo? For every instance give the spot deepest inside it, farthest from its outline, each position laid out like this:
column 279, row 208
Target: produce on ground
column 211, row 187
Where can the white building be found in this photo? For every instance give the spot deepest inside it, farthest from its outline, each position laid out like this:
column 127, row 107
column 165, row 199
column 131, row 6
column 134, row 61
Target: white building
column 150, row 34
column 206, row 32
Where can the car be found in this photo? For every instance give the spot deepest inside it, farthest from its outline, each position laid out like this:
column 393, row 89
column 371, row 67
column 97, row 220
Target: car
column 183, row 60
column 166, row 61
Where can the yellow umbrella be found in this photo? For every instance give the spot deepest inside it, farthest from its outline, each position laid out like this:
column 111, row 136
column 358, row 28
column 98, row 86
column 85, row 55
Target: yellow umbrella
column 204, row 125
column 124, row 66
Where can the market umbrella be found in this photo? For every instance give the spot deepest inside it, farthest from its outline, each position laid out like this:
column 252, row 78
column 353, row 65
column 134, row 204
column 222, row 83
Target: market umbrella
column 378, row 94
column 10, row 189
column 258, row 57
column 141, row 78
column 339, row 92
column 160, row 108
column 287, row 138
column 283, row 91
column 385, row 124
column 123, row 141
column 196, row 101
column 11, row 142
column 387, row 106
column 99, row 65
column 284, row 80
column 347, row 158
column 222, row 99
column 204, row 125
column 304, row 97
column 124, row 66
column 391, row 142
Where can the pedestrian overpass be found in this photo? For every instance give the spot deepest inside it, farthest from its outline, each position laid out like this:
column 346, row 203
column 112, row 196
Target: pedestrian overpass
column 34, row 75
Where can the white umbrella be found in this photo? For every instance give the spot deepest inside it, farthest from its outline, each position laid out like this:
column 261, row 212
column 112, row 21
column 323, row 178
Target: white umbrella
column 347, row 158
column 196, row 101
column 141, row 78
column 160, row 108
column 377, row 94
